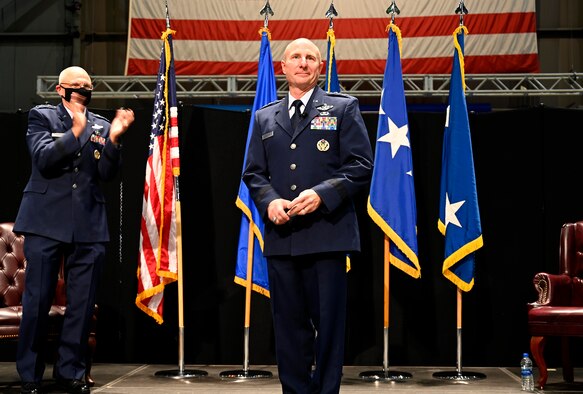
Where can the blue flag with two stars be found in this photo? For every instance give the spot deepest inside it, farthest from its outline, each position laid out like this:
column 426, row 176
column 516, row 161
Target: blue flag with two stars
column 392, row 204
column 459, row 214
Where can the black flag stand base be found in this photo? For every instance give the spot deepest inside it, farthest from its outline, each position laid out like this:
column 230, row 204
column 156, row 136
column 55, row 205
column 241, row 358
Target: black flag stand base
column 246, row 373
column 459, row 375
column 385, row 375
column 181, row 374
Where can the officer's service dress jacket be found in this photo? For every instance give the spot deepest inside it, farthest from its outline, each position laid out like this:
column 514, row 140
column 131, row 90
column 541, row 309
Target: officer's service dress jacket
column 62, row 199
column 329, row 152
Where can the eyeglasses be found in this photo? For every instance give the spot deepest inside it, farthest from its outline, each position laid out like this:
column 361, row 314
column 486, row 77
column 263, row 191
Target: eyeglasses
column 78, row 85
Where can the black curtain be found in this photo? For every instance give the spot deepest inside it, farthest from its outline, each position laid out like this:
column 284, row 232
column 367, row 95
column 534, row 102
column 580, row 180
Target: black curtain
column 526, row 164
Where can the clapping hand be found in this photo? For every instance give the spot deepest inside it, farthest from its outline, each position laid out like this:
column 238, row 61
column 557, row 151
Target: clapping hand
column 123, row 119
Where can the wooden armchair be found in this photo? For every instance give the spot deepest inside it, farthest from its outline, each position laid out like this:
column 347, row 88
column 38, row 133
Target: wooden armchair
column 12, row 270
column 559, row 308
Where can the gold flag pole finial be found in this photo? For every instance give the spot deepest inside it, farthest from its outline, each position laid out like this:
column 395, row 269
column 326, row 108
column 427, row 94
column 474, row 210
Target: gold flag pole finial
column 267, row 11
column 393, row 10
column 461, row 10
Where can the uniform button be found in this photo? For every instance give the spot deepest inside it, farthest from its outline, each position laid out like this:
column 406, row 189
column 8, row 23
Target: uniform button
column 79, row 154
column 76, row 169
column 293, row 187
column 74, row 186
column 292, row 146
column 292, row 166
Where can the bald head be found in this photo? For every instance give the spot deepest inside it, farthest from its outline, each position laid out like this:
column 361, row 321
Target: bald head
column 73, row 73
column 301, row 43
column 301, row 65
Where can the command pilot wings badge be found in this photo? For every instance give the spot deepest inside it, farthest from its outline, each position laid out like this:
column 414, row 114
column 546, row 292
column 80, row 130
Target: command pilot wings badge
column 324, row 107
column 96, row 128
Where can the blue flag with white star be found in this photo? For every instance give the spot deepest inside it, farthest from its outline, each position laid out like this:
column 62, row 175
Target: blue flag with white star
column 391, row 202
column 459, row 215
column 266, row 92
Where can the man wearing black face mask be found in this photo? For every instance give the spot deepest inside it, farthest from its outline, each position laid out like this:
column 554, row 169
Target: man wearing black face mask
column 62, row 215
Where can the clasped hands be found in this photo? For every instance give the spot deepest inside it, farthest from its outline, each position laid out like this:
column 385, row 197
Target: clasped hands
column 124, row 117
column 280, row 210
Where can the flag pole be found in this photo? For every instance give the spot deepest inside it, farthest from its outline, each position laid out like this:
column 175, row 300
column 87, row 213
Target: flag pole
column 247, row 373
column 181, row 372
column 330, row 62
column 385, row 374
column 458, row 374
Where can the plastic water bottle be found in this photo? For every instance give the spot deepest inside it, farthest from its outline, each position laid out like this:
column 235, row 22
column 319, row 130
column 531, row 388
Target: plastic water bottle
column 526, row 373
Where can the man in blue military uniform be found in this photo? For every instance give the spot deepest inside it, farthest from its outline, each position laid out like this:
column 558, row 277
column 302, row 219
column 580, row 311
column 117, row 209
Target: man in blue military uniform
column 62, row 214
column 309, row 154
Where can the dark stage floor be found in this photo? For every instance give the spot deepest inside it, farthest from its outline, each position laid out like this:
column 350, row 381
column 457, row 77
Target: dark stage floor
column 140, row 379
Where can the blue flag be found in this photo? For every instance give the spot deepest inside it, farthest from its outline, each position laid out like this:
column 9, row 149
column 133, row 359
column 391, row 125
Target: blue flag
column 266, row 92
column 391, row 202
column 459, row 215
column 331, row 83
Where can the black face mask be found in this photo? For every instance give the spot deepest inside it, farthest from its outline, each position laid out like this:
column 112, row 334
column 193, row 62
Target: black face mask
column 80, row 91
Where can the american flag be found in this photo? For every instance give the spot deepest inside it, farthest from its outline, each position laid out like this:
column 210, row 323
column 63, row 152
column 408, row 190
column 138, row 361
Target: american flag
column 220, row 37
column 158, row 246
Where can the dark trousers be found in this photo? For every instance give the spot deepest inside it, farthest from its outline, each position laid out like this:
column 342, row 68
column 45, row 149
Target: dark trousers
column 83, row 266
column 308, row 303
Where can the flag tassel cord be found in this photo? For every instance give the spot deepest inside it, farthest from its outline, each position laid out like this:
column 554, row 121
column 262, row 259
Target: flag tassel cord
column 386, row 374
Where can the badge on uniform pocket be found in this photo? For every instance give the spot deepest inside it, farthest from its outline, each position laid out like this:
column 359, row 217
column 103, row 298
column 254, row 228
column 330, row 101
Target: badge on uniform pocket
column 323, row 145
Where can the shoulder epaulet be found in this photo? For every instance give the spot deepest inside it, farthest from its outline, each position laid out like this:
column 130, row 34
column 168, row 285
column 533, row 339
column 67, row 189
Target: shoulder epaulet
column 338, row 94
column 45, row 106
column 272, row 103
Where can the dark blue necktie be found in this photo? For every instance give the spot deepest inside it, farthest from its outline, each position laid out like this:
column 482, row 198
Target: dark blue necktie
column 295, row 119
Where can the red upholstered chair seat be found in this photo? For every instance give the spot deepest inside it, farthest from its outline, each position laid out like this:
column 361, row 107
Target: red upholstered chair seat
column 556, row 320
column 559, row 308
column 10, row 317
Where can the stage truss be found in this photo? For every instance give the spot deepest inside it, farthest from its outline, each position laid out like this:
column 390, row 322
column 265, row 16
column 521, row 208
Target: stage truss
column 241, row 86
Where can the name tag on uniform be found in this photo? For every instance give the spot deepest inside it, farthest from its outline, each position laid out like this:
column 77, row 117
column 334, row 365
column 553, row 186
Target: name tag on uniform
column 324, row 123
column 57, row 135
column 267, row 135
